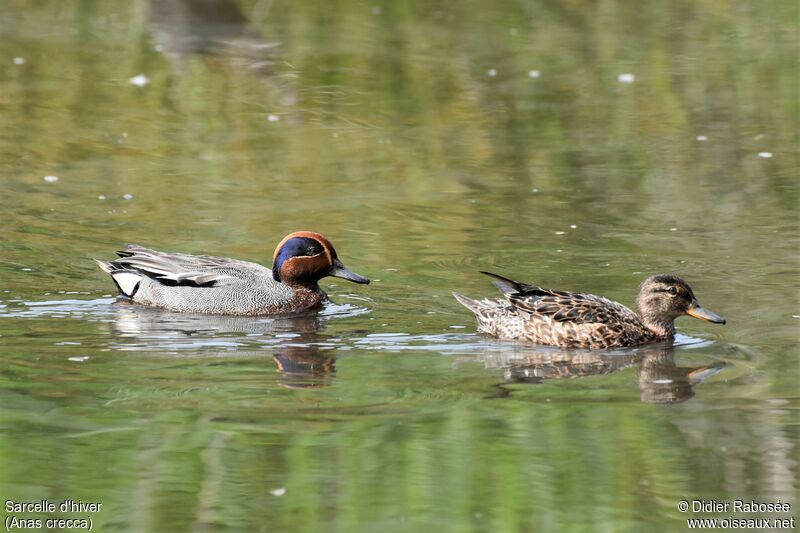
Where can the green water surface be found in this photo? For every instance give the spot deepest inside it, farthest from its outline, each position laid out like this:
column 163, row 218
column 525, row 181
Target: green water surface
column 573, row 144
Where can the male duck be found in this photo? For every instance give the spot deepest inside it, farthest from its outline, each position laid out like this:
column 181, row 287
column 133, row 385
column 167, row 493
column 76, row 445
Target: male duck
column 560, row 318
column 222, row 286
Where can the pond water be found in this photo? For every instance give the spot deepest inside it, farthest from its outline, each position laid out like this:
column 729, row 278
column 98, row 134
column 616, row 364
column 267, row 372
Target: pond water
column 576, row 145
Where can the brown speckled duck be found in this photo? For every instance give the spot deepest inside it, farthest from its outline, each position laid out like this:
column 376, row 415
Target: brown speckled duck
column 222, row 286
column 573, row 320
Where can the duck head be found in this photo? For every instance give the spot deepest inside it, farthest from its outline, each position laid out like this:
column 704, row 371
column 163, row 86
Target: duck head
column 663, row 298
column 304, row 257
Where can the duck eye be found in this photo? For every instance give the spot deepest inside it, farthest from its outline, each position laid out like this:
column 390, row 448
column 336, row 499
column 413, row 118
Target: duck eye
column 313, row 249
column 673, row 291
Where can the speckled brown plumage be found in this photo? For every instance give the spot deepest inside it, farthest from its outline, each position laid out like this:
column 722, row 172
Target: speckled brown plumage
column 574, row 320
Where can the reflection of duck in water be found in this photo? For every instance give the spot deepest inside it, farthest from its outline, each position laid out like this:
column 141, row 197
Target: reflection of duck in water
column 212, row 27
column 145, row 323
column 220, row 33
column 573, row 320
column 305, row 367
column 294, row 341
column 660, row 379
column 536, row 367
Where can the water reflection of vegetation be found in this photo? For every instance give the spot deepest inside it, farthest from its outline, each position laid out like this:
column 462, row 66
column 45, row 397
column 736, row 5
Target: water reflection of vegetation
column 575, row 124
column 390, row 130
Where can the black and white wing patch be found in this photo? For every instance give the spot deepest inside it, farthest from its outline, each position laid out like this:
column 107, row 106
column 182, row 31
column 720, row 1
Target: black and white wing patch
column 136, row 262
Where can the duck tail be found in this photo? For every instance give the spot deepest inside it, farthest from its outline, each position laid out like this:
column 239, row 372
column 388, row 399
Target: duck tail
column 127, row 281
column 506, row 286
column 105, row 266
column 484, row 311
column 469, row 303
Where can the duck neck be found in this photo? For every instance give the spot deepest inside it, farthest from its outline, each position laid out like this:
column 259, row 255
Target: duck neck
column 312, row 286
column 661, row 326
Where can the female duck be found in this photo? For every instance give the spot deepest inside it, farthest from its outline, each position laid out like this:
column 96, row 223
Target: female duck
column 218, row 285
column 560, row 318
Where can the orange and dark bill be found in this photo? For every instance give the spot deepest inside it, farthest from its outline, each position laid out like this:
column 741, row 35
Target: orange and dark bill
column 702, row 313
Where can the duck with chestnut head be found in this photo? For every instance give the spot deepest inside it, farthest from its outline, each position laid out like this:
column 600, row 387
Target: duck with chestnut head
column 574, row 320
column 223, row 286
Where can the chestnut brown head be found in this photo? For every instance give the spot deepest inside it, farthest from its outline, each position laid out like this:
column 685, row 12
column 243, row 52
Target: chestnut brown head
column 305, row 257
